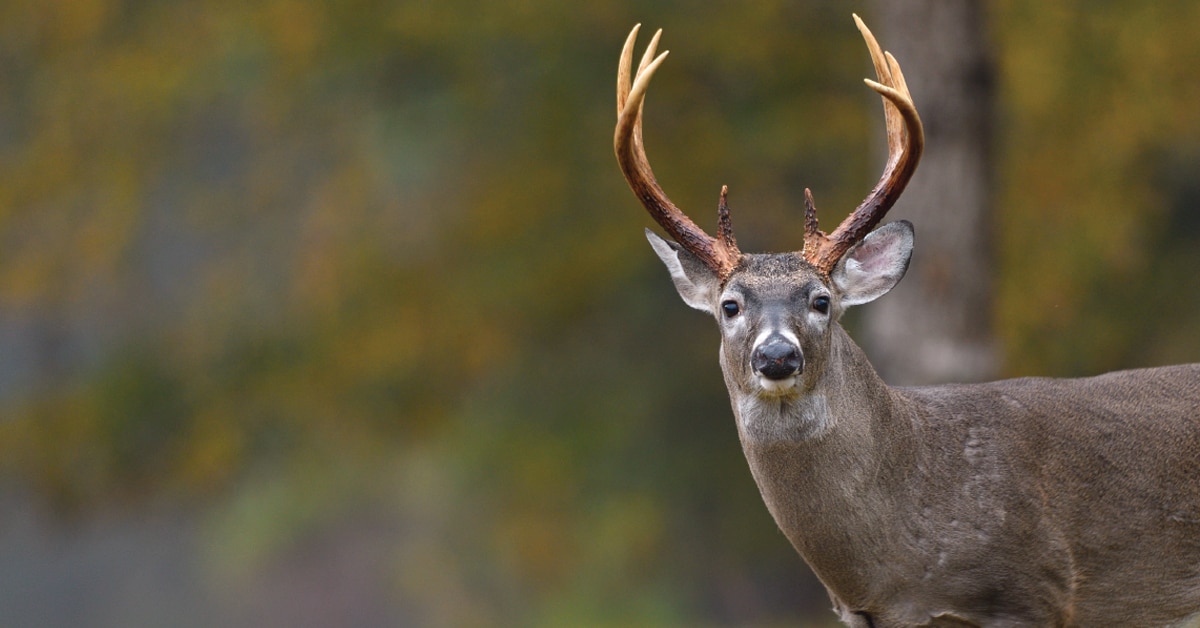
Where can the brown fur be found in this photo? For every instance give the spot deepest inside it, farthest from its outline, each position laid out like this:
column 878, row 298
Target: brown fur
column 1025, row 502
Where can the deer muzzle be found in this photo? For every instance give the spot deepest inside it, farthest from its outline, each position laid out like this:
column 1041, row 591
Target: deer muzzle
column 777, row 358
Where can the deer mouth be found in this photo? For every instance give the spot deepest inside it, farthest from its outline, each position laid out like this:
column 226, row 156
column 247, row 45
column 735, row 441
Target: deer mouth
column 776, row 387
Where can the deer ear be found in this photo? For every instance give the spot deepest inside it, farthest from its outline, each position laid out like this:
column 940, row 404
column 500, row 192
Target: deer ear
column 695, row 282
column 875, row 265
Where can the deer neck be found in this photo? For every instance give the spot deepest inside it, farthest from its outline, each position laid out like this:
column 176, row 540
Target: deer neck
column 834, row 478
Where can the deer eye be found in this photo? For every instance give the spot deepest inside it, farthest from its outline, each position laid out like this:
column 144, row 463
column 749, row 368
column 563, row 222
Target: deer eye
column 821, row 304
column 730, row 308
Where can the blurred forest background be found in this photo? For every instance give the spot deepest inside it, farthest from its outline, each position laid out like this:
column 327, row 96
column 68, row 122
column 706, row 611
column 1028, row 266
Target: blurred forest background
column 340, row 313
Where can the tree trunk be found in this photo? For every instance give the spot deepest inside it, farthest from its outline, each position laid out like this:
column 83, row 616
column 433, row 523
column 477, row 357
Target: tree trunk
column 937, row 325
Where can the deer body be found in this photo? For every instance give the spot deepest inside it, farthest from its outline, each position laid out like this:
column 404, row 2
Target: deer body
column 1026, row 502
column 1030, row 502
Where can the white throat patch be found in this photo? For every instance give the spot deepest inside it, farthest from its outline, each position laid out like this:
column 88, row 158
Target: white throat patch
column 766, row 419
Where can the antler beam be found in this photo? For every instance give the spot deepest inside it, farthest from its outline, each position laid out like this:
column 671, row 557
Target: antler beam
column 906, row 141
column 720, row 254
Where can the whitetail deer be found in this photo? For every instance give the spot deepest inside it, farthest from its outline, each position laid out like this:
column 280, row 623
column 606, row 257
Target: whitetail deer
column 1026, row 502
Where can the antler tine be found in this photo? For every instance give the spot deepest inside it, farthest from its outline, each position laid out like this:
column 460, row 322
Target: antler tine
column 719, row 254
column 906, row 141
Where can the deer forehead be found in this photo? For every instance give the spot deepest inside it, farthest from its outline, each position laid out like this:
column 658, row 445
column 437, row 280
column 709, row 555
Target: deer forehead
column 775, row 277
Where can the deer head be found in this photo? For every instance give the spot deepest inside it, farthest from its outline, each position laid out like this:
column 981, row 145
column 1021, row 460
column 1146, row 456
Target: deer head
column 777, row 312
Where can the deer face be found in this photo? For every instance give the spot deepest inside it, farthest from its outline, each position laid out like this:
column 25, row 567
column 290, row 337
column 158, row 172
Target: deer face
column 776, row 312
column 774, row 316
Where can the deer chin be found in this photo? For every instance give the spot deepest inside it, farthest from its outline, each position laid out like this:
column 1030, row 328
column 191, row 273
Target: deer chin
column 776, row 387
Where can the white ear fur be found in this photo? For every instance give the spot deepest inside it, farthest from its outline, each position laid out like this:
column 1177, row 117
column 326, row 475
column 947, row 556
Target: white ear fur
column 875, row 265
column 694, row 281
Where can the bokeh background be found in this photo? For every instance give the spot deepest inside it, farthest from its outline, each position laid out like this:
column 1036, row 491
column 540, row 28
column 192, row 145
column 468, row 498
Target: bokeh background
column 339, row 313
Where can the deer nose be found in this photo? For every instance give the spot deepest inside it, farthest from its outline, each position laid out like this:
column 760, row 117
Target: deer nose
column 777, row 359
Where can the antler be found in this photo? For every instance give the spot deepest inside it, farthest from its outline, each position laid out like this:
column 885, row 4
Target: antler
column 720, row 254
column 906, row 140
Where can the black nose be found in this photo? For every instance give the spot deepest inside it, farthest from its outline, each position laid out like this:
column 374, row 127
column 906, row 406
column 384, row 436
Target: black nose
column 777, row 359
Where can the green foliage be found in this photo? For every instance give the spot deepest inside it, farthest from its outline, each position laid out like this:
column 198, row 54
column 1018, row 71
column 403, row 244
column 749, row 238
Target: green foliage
column 304, row 263
column 1100, row 125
